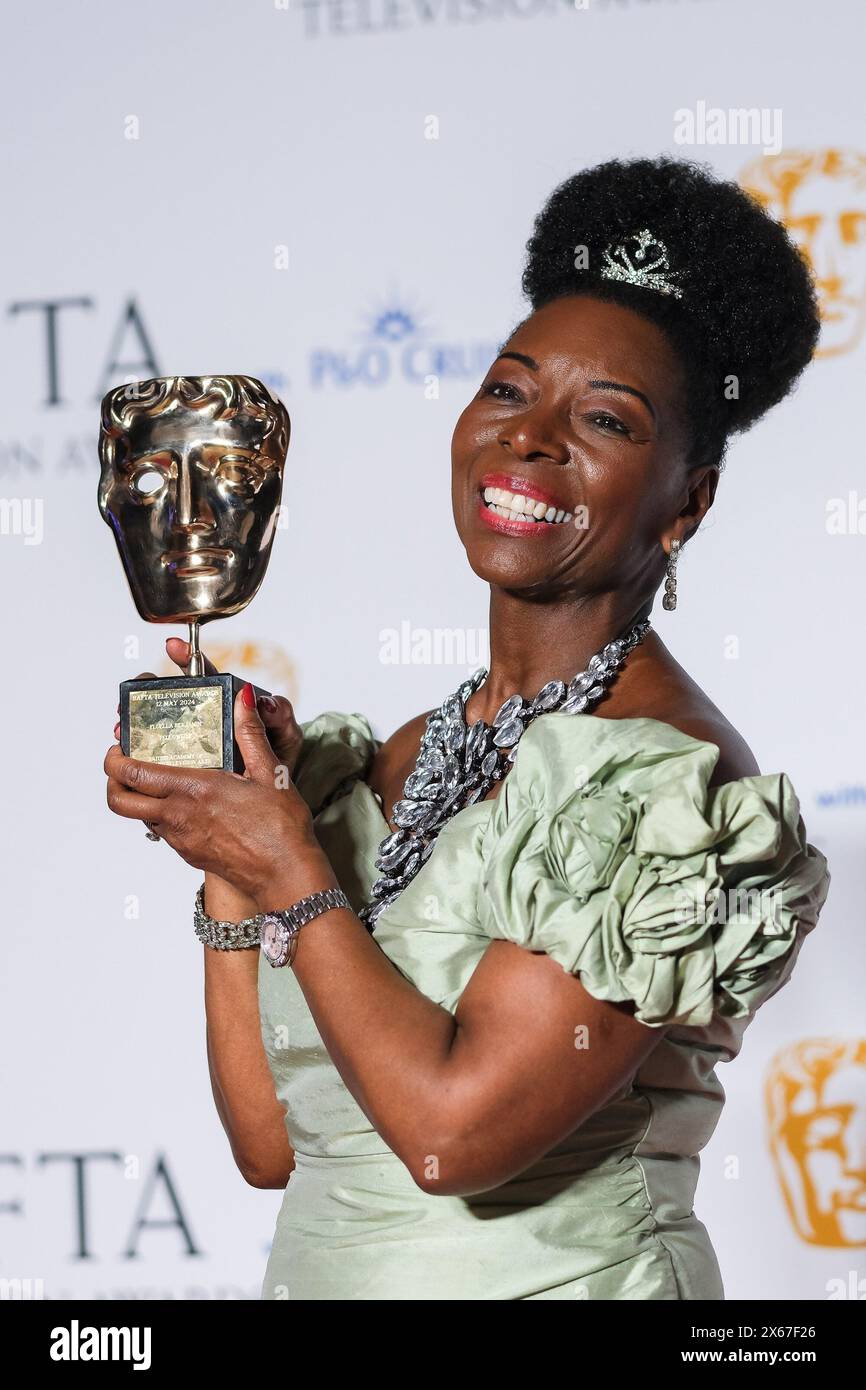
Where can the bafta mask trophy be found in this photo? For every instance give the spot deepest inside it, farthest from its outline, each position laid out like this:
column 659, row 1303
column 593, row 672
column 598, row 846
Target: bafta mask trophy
column 190, row 484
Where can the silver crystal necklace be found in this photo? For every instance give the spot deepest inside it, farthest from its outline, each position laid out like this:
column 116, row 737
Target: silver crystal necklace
column 456, row 765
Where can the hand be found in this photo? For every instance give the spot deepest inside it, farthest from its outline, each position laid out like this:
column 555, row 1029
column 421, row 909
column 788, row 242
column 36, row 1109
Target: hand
column 247, row 830
column 284, row 732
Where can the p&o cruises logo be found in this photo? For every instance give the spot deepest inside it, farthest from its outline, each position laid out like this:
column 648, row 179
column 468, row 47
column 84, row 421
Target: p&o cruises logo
column 396, row 345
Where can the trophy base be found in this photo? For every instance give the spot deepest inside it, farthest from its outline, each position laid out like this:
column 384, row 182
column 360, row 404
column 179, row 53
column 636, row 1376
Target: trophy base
column 183, row 721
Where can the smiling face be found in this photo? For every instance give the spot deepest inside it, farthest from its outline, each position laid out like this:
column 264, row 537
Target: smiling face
column 580, row 421
column 193, row 500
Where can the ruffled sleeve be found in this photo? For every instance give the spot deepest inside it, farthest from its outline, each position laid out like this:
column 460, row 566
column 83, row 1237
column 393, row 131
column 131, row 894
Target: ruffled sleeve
column 606, row 850
column 336, row 752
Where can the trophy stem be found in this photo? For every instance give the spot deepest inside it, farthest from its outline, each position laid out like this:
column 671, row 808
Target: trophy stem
column 196, row 660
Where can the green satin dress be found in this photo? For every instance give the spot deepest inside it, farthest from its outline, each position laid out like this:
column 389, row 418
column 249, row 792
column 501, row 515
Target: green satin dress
column 605, row 849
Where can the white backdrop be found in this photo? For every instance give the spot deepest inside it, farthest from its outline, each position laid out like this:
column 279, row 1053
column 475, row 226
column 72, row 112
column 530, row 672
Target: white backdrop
column 164, row 164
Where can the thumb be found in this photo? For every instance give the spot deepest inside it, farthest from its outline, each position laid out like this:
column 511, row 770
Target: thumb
column 252, row 737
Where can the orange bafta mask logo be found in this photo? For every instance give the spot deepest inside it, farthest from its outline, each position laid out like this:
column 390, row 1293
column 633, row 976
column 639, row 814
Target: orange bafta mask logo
column 821, row 198
column 816, row 1108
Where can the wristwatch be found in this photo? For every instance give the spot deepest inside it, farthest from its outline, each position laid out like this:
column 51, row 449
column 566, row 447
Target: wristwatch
column 279, row 930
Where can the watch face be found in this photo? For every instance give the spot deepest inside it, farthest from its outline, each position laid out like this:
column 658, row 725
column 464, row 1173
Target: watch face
column 274, row 940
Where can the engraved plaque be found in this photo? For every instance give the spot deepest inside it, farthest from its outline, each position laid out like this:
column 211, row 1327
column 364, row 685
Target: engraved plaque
column 182, row 727
column 183, row 721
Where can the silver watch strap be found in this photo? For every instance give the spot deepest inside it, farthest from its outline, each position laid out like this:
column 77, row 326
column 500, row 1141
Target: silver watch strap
column 226, row 936
column 303, row 911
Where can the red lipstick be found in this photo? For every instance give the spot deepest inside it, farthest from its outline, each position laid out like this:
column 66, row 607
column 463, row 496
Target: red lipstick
column 522, row 487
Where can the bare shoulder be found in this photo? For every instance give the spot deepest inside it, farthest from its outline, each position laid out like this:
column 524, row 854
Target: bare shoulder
column 407, row 736
column 665, row 691
column 736, row 758
column 704, row 721
column 395, row 757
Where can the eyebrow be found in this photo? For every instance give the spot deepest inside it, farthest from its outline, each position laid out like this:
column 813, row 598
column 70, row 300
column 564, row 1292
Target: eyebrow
column 629, row 390
column 596, row 385
column 521, row 357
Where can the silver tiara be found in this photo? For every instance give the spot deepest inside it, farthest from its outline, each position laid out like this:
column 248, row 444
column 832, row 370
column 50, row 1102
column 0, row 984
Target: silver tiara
column 641, row 259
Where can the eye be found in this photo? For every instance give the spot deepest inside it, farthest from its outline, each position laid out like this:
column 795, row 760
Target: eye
column 238, row 471
column 825, row 1127
column 147, row 481
column 492, row 387
column 606, row 421
column 853, row 227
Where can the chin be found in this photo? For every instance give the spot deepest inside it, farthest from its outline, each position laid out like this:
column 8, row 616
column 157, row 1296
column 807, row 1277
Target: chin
column 186, row 603
column 515, row 571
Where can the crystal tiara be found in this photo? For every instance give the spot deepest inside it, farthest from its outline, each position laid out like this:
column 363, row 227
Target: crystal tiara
column 641, row 259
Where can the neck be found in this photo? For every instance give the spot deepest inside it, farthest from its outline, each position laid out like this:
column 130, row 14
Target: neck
column 532, row 642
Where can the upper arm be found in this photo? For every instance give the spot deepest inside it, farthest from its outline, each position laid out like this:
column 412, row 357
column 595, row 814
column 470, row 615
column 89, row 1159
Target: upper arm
column 534, row 1055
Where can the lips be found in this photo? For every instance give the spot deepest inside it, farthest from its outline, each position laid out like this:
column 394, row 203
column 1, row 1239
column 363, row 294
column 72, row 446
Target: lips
column 512, row 482
column 515, row 506
column 203, row 560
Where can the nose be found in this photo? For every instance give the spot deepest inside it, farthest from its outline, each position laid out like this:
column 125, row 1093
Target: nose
column 533, row 438
column 193, row 513
column 824, row 258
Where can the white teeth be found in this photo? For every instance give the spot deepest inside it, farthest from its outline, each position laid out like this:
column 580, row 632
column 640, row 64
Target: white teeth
column 515, row 506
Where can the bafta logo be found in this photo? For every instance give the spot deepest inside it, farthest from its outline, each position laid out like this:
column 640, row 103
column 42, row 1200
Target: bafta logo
column 816, row 1108
column 821, row 198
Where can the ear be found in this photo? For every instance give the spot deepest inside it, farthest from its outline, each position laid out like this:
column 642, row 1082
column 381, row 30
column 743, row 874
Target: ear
column 702, row 486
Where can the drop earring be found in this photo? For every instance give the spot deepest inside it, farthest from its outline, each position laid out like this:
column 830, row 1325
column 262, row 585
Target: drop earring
column 670, row 599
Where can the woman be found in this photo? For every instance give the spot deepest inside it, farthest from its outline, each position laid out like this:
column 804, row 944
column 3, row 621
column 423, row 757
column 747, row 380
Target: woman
column 489, row 1072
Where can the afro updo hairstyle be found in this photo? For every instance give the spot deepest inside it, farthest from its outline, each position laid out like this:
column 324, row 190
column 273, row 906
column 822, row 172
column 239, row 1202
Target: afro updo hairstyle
column 748, row 309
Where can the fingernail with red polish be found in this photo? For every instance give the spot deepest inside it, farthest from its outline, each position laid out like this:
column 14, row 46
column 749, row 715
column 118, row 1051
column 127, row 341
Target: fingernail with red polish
column 248, row 695
column 266, row 702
